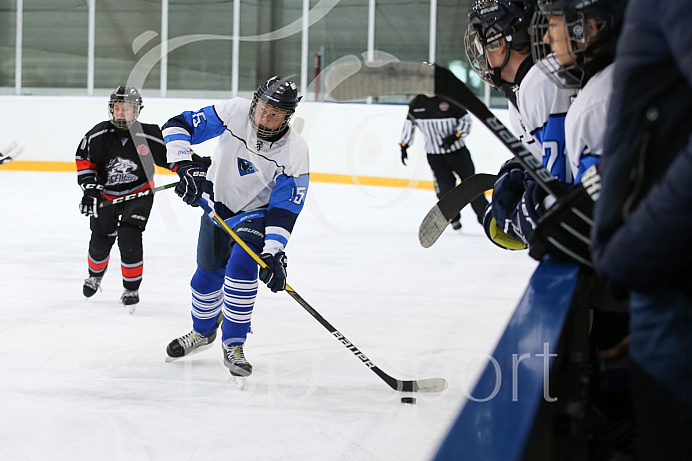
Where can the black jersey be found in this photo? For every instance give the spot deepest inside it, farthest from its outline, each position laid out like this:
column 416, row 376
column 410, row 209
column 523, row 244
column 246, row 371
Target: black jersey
column 437, row 119
column 123, row 166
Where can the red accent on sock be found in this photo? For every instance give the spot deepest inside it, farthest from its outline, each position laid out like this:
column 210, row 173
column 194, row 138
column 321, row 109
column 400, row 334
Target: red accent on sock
column 130, row 272
column 98, row 267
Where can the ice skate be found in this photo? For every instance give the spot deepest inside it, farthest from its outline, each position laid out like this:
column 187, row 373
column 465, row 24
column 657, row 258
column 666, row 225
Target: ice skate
column 189, row 343
column 130, row 298
column 456, row 225
column 238, row 366
column 91, row 286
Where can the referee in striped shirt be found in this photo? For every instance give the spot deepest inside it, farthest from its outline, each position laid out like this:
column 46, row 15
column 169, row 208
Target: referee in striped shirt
column 444, row 127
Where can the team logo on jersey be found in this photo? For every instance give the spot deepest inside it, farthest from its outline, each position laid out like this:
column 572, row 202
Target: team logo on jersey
column 259, row 145
column 444, row 106
column 121, row 171
column 142, row 149
column 245, row 167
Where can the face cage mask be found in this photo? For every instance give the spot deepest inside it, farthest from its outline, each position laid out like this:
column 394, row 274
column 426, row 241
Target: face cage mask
column 123, row 124
column 264, row 133
column 567, row 76
column 475, row 54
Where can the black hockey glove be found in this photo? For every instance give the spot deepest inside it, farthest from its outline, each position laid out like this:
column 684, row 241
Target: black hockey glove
column 563, row 233
column 192, row 177
column 404, row 153
column 449, row 140
column 274, row 275
column 93, row 195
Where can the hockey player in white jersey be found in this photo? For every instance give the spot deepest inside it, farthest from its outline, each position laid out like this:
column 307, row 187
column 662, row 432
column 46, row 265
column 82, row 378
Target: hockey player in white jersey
column 499, row 50
column 582, row 39
column 257, row 184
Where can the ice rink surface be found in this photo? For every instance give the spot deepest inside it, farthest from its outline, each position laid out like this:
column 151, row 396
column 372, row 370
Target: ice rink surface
column 84, row 380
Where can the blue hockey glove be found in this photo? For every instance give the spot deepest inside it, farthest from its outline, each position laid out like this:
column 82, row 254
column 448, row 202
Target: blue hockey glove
column 449, row 140
column 192, row 177
column 93, row 195
column 404, row 153
column 274, row 275
column 507, row 193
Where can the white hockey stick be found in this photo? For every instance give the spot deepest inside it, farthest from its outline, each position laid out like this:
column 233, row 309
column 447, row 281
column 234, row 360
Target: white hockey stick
column 11, row 152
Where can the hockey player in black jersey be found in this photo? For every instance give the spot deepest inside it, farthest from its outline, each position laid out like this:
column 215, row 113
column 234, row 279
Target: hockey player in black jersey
column 444, row 127
column 115, row 158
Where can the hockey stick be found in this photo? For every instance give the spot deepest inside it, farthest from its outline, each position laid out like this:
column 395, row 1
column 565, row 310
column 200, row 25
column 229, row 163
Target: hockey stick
column 136, row 195
column 349, row 81
column 11, row 152
column 420, row 385
column 439, row 216
column 379, row 78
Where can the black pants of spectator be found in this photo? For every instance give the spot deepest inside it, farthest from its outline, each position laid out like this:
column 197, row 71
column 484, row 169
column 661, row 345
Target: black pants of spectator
column 445, row 166
column 126, row 222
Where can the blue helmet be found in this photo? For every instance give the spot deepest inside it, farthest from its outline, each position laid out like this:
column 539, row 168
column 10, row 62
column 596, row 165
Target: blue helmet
column 491, row 21
column 280, row 94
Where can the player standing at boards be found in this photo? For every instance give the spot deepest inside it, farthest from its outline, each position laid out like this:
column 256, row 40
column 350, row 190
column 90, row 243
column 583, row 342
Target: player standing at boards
column 257, row 183
column 117, row 158
column 444, row 127
column 499, row 50
column 582, row 39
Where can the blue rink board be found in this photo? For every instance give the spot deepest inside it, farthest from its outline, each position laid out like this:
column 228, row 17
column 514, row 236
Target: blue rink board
column 497, row 422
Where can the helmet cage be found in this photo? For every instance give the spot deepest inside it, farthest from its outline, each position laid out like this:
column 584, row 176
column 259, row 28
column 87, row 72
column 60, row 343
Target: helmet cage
column 132, row 99
column 278, row 94
column 489, row 22
column 573, row 73
column 475, row 54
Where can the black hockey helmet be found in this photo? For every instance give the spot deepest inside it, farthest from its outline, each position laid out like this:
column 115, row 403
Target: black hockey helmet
column 278, row 93
column 130, row 96
column 489, row 22
column 590, row 52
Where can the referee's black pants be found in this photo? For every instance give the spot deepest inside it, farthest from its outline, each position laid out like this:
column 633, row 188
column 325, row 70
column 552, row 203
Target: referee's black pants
column 444, row 168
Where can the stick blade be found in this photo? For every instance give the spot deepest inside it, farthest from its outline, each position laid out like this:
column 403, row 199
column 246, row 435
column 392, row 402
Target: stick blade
column 431, row 385
column 433, row 225
column 353, row 80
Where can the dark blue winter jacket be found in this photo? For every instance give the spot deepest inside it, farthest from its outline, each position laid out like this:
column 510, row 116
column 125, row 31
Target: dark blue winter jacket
column 642, row 234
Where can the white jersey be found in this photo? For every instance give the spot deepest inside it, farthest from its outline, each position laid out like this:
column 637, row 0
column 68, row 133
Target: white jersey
column 585, row 124
column 538, row 121
column 247, row 174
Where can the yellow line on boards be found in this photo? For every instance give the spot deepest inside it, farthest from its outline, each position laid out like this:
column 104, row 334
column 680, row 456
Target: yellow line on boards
column 21, row 165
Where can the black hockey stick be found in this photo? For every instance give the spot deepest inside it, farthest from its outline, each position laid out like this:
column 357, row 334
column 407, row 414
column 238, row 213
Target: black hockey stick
column 136, row 195
column 439, row 216
column 348, row 81
column 419, row 385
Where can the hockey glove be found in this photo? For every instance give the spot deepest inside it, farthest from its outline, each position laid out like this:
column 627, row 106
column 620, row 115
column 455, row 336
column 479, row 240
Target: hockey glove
column 450, row 140
column 507, row 194
column 93, row 195
column 274, row 275
column 192, row 177
column 563, row 233
column 404, row 153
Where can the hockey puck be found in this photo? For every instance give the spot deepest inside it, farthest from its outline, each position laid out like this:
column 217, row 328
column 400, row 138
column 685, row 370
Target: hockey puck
column 409, row 400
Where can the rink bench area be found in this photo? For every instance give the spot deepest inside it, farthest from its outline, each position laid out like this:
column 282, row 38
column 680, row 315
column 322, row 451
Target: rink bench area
column 528, row 403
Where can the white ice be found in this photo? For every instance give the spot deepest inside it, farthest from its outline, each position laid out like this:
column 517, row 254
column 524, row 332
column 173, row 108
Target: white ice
column 83, row 380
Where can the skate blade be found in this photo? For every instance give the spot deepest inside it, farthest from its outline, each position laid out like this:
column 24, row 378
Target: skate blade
column 131, row 308
column 237, row 381
column 199, row 349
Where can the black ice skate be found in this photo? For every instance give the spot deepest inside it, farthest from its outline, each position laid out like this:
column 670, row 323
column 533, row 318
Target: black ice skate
column 456, row 225
column 234, row 359
column 130, row 298
column 91, row 286
column 189, row 343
